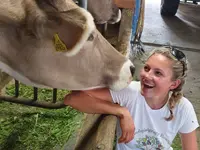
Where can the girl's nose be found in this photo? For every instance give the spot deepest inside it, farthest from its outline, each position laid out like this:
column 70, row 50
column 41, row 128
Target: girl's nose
column 148, row 75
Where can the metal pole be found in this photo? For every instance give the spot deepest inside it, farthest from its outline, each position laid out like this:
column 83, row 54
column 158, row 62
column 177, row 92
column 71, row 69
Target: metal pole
column 83, row 4
column 54, row 95
column 35, row 93
column 41, row 104
column 16, row 88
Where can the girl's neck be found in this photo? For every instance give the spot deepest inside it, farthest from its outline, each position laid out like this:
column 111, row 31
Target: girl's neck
column 157, row 102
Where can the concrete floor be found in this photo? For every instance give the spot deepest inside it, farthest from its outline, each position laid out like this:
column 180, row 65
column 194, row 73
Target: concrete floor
column 182, row 31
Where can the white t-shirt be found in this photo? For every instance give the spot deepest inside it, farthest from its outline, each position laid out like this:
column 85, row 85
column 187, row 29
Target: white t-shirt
column 152, row 131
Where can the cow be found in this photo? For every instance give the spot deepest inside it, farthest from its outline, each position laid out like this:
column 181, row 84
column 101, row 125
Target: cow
column 104, row 11
column 108, row 11
column 55, row 44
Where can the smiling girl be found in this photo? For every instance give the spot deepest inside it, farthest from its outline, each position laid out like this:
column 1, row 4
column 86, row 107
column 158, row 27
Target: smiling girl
column 153, row 110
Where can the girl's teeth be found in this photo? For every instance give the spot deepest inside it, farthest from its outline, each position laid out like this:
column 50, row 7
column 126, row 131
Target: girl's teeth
column 148, row 86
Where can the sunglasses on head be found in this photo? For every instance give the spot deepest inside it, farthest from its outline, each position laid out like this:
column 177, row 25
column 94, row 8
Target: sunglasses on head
column 179, row 55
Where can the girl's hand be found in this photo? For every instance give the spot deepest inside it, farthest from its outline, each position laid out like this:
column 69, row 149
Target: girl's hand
column 127, row 127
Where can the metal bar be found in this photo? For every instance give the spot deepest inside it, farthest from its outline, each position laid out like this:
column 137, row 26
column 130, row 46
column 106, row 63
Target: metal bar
column 54, row 95
column 16, row 88
column 83, row 3
column 105, row 26
column 35, row 94
column 28, row 102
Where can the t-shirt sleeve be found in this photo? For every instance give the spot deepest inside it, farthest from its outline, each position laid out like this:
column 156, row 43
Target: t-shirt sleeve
column 190, row 123
column 127, row 95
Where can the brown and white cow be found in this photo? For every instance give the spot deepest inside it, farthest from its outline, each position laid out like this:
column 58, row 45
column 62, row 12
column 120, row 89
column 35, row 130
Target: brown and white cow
column 107, row 11
column 104, row 11
column 54, row 43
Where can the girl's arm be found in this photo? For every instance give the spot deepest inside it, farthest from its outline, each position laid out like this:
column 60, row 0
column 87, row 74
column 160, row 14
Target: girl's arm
column 91, row 102
column 100, row 101
column 189, row 141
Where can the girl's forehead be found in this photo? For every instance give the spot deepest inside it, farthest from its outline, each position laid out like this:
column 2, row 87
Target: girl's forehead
column 159, row 61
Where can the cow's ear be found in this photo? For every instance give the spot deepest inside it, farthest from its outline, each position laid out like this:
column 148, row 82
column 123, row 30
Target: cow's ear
column 73, row 31
column 66, row 23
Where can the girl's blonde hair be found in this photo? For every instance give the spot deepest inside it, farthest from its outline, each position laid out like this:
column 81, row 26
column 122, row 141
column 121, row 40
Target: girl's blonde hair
column 180, row 70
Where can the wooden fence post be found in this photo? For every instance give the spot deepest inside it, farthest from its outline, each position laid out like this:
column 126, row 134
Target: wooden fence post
column 97, row 133
column 125, row 31
column 4, row 80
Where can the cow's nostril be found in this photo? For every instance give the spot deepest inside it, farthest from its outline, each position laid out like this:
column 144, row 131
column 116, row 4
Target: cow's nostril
column 132, row 69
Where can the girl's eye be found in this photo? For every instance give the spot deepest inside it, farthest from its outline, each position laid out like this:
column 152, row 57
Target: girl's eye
column 158, row 73
column 146, row 68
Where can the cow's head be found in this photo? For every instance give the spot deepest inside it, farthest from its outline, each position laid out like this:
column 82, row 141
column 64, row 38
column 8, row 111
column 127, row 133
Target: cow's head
column 54, row 43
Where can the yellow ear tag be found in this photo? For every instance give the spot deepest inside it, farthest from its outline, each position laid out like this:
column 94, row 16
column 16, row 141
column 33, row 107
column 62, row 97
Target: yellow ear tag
column 59, row 45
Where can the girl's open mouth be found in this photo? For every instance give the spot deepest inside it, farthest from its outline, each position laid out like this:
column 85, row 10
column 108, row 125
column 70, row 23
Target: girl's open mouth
column 148, row 86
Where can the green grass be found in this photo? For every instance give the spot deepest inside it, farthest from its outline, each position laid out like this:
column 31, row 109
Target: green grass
column 177, row 143
column 30, row 128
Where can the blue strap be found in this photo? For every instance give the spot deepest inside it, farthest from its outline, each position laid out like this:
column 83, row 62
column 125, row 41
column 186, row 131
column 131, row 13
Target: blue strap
column 135, row 20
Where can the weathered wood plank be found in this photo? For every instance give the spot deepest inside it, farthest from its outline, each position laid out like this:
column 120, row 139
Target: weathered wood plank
column 4, row 80
column 97, row 133
column 125, row 31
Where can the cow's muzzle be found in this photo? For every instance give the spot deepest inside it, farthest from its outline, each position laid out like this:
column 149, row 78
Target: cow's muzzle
column 125, row 76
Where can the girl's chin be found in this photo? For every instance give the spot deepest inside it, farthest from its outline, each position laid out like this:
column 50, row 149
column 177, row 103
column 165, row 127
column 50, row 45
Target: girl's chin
column 147, row 93
column 143, row 94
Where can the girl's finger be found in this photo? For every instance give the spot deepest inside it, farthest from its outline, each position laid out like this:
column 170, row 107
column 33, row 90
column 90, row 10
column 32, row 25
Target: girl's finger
column 123, row 137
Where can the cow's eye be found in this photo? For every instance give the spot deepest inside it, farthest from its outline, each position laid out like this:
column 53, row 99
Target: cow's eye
column 91, row 37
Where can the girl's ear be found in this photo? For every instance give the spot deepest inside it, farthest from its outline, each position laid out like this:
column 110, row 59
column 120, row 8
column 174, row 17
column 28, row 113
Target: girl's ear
column 175, row 84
